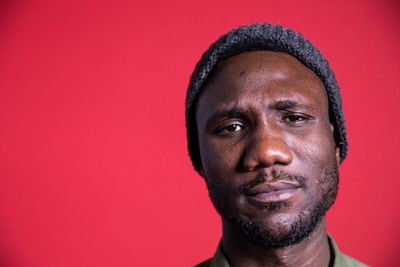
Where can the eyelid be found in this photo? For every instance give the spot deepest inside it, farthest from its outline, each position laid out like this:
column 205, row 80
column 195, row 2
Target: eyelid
column 227, row 116
column 223, row 125
column 304, row 117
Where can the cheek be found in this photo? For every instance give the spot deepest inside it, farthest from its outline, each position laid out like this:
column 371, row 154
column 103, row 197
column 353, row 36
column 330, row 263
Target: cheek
column 316, row 148
column 218, row 157
column 315, row 156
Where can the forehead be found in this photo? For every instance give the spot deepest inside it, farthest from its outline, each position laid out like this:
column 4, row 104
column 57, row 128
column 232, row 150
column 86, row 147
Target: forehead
column 262, row 76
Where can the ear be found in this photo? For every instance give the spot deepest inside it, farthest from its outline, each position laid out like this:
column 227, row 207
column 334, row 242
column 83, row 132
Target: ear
column 201, row 172
column 338, row 155
column 337, row 150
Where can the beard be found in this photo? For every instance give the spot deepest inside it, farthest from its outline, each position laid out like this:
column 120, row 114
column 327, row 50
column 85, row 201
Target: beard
column 256, row 232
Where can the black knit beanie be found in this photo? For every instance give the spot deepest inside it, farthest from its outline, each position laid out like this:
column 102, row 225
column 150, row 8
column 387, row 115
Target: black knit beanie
column 263, row 37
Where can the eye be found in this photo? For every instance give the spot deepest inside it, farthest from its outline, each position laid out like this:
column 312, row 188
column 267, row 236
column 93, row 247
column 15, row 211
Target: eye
column 234, row 128
column 296, row 118
column 293, row 118
column 229, row 128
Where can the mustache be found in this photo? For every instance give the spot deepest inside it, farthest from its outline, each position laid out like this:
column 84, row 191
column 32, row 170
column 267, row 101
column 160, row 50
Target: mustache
column 274, row 175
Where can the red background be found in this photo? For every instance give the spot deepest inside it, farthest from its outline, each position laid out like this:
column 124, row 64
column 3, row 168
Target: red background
column 93, row 163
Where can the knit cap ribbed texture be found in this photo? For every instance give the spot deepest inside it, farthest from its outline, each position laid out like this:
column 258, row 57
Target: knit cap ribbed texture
column 263, row 37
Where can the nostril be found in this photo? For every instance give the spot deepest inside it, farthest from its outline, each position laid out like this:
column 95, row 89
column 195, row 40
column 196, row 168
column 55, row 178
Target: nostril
column 266, row 153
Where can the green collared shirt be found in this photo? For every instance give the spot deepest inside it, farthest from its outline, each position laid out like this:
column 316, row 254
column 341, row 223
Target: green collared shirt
column 340, row 259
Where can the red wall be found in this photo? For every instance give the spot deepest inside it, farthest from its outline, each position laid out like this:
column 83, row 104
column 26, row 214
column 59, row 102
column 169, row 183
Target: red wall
column 93, row 163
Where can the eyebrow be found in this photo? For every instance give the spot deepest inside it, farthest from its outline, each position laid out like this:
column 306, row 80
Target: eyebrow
column 228, row 113
column 279, row 104
column 286, row 104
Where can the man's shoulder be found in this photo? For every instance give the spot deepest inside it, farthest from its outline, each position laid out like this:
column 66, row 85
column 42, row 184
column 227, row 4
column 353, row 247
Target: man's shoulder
column 342, row 260
column 205, row 263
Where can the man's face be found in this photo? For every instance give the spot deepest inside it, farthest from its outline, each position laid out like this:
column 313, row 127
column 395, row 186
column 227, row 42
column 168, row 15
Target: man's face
column 267, row 149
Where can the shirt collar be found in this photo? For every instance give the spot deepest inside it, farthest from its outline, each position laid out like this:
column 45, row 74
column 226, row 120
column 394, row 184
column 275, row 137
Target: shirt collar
column 219, row 259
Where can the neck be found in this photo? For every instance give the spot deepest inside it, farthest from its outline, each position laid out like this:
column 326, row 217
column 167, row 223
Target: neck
column 311, row 251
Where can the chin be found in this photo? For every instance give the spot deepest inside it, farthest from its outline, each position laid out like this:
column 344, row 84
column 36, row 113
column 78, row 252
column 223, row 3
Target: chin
column 276, row 224
column 277, row 231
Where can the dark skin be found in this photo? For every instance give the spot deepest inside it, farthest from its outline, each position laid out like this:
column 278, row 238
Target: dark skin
column 262, row 113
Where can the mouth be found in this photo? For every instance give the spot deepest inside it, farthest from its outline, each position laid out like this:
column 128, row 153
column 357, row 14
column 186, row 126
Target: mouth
column 272, row 192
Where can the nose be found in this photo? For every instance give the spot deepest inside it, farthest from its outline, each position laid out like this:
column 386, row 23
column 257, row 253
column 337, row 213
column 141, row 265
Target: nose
column 266, row 149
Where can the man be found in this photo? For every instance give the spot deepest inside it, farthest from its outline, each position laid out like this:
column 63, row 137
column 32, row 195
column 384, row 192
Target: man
column 266, row 130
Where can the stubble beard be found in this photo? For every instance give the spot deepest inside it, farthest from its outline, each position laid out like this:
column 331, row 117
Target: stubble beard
column 255, row 233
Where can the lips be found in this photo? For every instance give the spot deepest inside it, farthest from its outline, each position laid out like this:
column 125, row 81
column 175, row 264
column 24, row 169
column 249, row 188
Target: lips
column 272, row 192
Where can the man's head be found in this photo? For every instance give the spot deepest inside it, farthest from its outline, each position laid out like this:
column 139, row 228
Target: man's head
column 266, row 131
